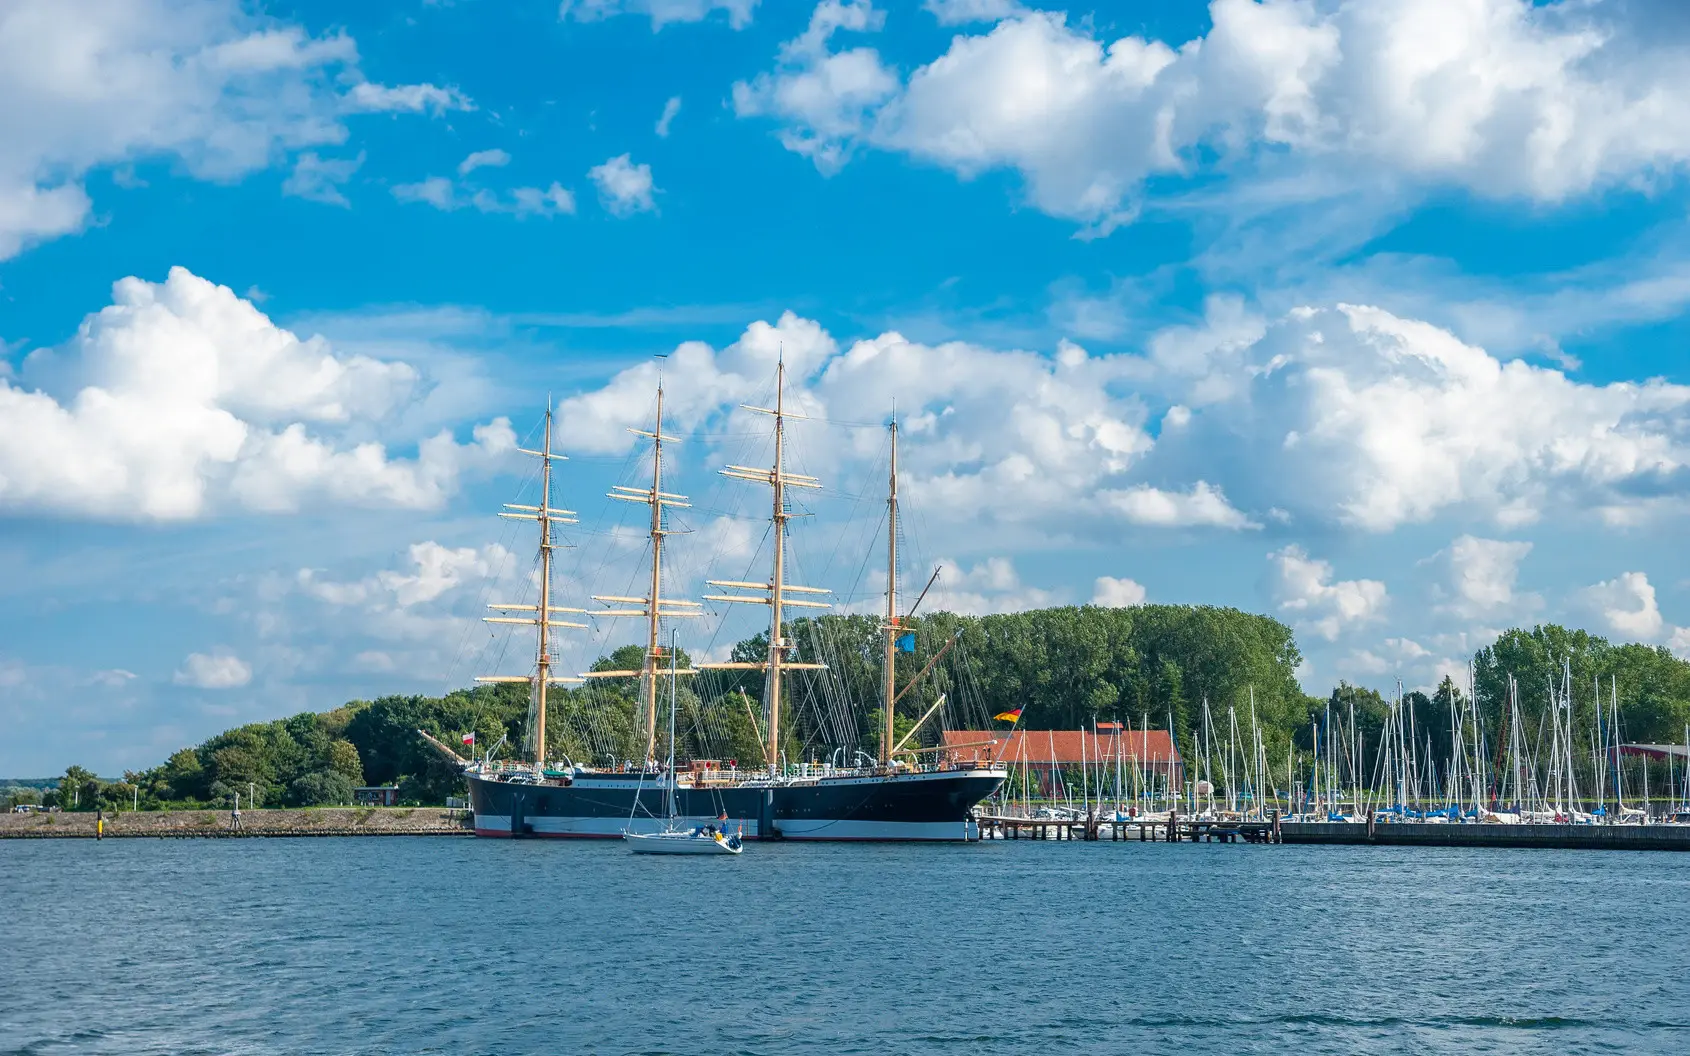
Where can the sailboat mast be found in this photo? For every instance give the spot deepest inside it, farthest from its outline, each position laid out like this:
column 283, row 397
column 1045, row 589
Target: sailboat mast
column 891, row 598
column 672, row 677
column 543, row 616
column 776, row 583
column 651, row 652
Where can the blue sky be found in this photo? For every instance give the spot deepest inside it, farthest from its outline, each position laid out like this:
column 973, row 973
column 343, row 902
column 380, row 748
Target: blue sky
column 1370, row 316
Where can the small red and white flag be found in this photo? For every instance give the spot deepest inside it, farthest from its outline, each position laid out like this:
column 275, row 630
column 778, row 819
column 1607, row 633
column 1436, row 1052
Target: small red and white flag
column 469, row 738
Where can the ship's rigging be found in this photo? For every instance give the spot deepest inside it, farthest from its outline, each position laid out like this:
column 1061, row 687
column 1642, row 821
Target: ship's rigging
column 597, row 724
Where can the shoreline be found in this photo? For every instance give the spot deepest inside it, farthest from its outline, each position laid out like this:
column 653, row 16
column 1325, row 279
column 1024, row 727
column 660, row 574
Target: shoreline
column 219, row 824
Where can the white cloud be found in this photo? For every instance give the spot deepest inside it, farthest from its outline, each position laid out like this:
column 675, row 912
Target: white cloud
column 405, row 98
column 1117, row 593
column 205, row 83
column 520, row 202
column 532, row 201
column 434, row 571
column 661, row 12
column 1679, row 642
column 187, row 399
column 421, row 615
column 624, row 188
column 435, row 190
column 1387, row 660
column 218, row 670
column 991, row 585
column 823, row 99
column 1356, row 417
column 1482, row 577
column 958, row 12
column 319, row 179
column 1303, row 588
column 670, row 109
column 1004, row 438
column 1627, row 605
column 1342, row 418
column 1504, row 97
column 1419, row 667
column 1203, row 506
column 483, row 159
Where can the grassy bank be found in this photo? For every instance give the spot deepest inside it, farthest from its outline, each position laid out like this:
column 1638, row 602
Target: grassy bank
column 316, row 821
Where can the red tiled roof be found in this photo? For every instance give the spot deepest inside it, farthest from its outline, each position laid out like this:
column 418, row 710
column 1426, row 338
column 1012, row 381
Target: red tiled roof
column 1063, row 746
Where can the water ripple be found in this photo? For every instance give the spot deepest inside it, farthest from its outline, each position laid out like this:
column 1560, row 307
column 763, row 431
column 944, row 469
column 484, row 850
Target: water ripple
column 411, row 946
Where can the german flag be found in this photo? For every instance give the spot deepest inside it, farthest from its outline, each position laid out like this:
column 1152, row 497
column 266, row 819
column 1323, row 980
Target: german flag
column 1008, row 716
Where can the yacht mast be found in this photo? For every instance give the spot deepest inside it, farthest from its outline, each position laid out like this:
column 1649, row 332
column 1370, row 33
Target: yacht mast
column 655, row 606
column 545, row 515
column 890, row 663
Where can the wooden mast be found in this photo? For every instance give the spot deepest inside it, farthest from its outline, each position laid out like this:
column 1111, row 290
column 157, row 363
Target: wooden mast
column 543, row 621
column 776, row 588
column 656, row 605
column 890, row 663
column 546, row 515
column 656, row 595
column 777, row 585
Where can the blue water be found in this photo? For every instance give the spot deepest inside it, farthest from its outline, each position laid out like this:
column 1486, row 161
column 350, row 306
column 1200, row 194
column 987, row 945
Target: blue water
column 400, row 945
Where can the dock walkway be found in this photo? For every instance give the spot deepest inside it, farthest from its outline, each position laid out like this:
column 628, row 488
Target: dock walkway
column 1144, row 830
column 1567, row 837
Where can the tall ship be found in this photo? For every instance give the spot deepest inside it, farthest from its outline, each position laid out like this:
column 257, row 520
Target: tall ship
column 901, row 792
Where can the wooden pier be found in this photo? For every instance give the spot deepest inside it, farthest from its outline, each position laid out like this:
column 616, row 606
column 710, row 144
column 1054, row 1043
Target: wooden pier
column 1174, row 829
column 1560, row 837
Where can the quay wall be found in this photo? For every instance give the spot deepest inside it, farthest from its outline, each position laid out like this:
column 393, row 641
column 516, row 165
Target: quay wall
column 316, row 821
column 1576, row 837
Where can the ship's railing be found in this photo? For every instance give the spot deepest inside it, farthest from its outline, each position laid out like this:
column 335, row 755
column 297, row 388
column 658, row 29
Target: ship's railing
column 715, row 777
column 719, row 776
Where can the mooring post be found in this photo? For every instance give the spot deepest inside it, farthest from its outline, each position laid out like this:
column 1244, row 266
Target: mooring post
column 1277, row 837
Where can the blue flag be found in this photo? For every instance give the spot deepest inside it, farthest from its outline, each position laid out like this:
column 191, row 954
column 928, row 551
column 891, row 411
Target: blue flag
column 906, row 643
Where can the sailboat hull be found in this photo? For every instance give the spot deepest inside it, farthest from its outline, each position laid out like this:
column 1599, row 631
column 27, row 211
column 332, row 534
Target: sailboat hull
column 682, row 843
column 933, row 806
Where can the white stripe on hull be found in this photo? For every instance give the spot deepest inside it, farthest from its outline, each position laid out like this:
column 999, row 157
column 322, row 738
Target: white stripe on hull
column 841, row 829
column 594, row 828
column 791, row 829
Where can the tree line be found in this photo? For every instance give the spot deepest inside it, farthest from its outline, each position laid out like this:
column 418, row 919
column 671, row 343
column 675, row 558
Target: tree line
column 1065, row 668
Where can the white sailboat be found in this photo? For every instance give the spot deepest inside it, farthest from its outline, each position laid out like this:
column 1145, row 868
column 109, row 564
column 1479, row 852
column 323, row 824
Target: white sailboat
column 698, row 840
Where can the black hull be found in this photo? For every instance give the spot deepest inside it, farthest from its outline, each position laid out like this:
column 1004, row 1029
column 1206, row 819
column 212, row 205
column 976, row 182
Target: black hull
column 915, row 806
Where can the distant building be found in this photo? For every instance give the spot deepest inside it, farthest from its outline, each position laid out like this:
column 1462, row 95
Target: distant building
column 379, row 796
column 1051, row 753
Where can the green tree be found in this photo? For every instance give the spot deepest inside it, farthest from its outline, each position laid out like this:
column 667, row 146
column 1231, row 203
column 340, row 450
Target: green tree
column 321, row 789
column 342, row 758
column 18, row 795
column 79, row 789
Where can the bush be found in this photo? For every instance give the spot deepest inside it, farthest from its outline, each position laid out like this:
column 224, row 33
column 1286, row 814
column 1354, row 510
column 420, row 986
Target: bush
column 325, row 788
column 15, row 795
